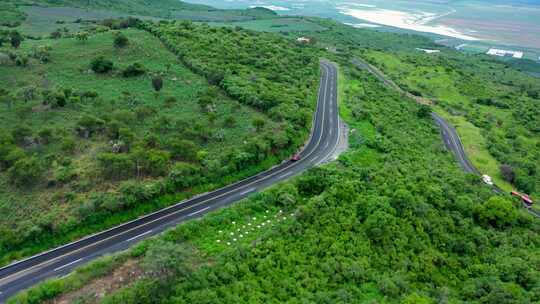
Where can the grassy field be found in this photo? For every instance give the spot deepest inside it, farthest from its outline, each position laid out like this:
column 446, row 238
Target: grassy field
column 72, row 177
column 41, row 21
column 40, row 18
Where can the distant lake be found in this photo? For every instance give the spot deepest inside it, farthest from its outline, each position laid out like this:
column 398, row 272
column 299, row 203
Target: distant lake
column 514, row 22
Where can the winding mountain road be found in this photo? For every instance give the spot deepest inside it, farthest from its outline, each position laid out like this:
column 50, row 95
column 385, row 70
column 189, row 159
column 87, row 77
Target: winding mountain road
column 448, row 132
column 320, row 148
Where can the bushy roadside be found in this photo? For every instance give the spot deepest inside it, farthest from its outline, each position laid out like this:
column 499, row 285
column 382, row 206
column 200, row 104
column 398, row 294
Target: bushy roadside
column 394, row 220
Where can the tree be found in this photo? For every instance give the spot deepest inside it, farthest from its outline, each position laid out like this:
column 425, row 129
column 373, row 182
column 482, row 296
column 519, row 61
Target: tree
column 120, row 41
column 507, row 173
column 497, row 212
column 165, row 259
column 15, row 39
column 184, row 175
column 134, row 70
column 424, row 111
column 183, row 149
column 157, row 83
column 116, row 166
column 101, row 65
column 153, row 162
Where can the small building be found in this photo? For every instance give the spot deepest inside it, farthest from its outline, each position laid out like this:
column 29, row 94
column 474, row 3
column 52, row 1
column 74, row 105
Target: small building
column 303, row 40
column 505, row 53
column 428, row 51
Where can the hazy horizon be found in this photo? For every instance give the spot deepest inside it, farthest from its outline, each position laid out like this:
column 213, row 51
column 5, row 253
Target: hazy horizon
column 514, row 23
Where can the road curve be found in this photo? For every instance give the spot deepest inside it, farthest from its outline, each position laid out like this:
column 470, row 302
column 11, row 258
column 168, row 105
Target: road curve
column 448, row 132
column 453, row 143
column 60, row 261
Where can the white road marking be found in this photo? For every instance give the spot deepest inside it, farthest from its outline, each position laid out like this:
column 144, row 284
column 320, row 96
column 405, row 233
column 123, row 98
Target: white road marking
column 322, row 89
column 139, row 235
column 199, row 211
column 326, row 145
column 66, row 265
column 247, row 191
column 284, row 175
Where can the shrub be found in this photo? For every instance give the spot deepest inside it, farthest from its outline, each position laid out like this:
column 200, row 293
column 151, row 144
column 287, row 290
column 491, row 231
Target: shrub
column 68, row 144
column 25, row 171
column 153, row 162
column 15, row 39
column 41, row 53
column 230, row 121
column 87, row 125
column 183, row 149
column 170, row 101
column 56, row 34
column 120, row 41
column 89, row 94
column 116, row 166
column 166, row 259
column 21, row 60
column 21, row 132
column 101, row 65
column 29, row 93
column 508, row 173
column 424, row 111
column 82, row 36
column 134, row 70
column 184, row 175
column 157, row 83
column 45, row 135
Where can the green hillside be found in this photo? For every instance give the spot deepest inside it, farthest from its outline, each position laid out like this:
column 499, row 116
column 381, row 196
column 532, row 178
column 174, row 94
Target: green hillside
column 90, row 142
column 395, row 220
column 38, row 18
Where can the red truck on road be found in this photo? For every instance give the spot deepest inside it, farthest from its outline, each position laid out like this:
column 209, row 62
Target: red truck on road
column 524, row 197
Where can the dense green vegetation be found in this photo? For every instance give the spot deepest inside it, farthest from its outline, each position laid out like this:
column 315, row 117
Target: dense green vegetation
column 255, row 68
column 101, row 125
column 493, row 97
column 394, row 220
column 96, row 135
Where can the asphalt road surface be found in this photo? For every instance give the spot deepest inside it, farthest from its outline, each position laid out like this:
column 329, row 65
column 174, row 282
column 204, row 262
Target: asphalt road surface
column 62, row 260
column 448, row 132
column 453, row 143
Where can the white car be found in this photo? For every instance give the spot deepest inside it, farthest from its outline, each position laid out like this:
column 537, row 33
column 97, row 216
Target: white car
column 487, row 179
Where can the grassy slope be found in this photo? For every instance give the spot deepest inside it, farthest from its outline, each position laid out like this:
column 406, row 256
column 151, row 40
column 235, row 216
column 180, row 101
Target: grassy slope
column 68, row 69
